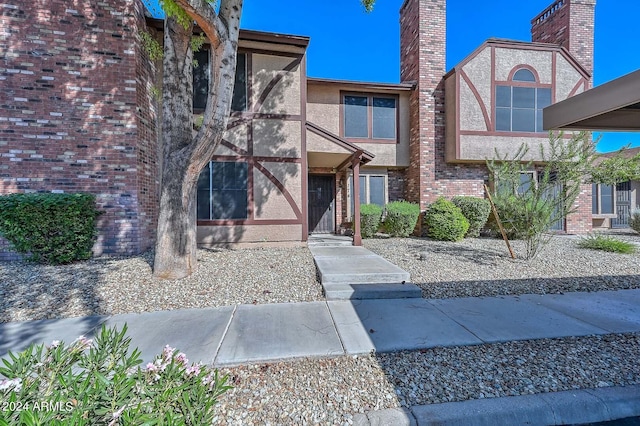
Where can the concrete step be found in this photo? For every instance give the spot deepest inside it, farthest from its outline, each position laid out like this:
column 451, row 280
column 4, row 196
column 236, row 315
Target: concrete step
column 359, row 270
column 371, row 291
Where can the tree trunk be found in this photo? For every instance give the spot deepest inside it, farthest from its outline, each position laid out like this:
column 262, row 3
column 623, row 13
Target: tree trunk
column 175, row 255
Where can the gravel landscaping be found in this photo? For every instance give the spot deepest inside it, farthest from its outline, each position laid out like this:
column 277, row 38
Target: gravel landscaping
column 483, row 267
column 330, row 391
column 113, row 286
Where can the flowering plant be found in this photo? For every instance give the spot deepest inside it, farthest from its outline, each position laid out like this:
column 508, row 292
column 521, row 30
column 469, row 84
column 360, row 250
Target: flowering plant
column 89, row 382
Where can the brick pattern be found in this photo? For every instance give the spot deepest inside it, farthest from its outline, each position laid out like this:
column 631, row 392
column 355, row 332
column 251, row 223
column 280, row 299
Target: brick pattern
column 571, row 24
column 580, row 222
column 71, row 83
column 395, row 188
column 422, row 50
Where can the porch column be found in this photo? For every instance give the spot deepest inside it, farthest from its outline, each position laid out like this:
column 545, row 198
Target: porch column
column 357, row 238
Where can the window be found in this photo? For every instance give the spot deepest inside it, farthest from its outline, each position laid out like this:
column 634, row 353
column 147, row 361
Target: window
column 222, row 191
column 602, row 199
column 370, row 117
column 201, row 75
column 519, row 106
column 373, row 190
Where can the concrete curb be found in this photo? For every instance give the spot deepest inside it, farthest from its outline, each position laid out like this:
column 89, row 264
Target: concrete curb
column 554, row 408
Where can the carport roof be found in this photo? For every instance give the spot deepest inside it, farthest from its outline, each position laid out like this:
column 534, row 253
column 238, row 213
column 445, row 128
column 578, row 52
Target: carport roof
column 613, row 106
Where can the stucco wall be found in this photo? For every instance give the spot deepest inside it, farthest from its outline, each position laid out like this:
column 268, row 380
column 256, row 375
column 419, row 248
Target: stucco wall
column 284, row 97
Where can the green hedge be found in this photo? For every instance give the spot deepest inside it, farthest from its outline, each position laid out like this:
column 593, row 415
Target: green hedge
column 370, row 215
column 49, row 228
column 401, row 218
column 445, row 222
column 476, row 210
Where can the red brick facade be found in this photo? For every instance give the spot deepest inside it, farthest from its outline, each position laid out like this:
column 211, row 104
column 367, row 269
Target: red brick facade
column 76, row 113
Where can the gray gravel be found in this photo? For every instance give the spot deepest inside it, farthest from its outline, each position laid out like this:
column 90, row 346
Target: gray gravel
column 483, row 267
column 112, row 286
column 330, row 391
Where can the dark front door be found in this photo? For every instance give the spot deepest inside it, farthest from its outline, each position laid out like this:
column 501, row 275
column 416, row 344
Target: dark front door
column 623, row 205
column 321, row 204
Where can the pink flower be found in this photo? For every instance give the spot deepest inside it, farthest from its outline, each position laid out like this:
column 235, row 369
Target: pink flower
column 194, row 370
column 182, row 359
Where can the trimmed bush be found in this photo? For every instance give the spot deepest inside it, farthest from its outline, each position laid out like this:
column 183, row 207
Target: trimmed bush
column 370, row 215
column 634, row 221
column 401, row 219
column 445, row 222
column 607, row 243
column 476, row 210
column 49, row 228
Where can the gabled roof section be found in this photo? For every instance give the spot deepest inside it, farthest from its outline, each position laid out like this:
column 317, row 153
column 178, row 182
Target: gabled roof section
column 364, row 85
column 613, row 106
column 314, row 128
column 521, row 45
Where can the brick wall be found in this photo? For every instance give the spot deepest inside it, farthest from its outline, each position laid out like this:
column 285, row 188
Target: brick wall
column 571, row 24
column 396, row 184
column 69, row 118
column 422, row 59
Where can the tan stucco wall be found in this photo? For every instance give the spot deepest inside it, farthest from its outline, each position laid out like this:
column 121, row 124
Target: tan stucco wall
column 316, row 143
column 479, row 72
column 269, row 201
column 215, row 235
column 237, row 136
column 470, row 110
column 507, row 59
column 450, row 116
column 566, row 78
column 277, row 138
column 284, row 98
column 323, row 106
column 479, row 148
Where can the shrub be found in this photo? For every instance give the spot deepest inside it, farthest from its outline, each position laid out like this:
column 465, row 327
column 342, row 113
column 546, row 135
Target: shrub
column 370, row 215
column 50, row 228
column 634, row 221
column 607, row 243
column 444, row 221
column 476, row 210
column 102, row 383
column 401, row 218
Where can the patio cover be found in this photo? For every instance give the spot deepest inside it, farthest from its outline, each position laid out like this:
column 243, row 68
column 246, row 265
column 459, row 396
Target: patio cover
column 609, row 107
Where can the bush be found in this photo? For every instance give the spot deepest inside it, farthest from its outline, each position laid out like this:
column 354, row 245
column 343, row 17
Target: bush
column 370, row 215
column 634, row 221
column 607, row 243
column 401, row 218
column 49, row 228
column 444, row 221
column 476, row 210
column 522, row 216
column 102, row 383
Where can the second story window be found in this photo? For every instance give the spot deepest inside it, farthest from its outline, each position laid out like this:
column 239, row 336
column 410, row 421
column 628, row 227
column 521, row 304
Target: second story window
column 370, row 117
column 519, row 105
column 201, row 74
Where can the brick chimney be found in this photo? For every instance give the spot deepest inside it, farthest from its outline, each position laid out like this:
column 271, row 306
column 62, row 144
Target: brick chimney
column 569, row 23
column 422, row 60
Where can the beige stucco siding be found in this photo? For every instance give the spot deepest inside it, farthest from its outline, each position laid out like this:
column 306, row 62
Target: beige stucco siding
column 269, row 201
column 323, row 107
column 479, row 148
column 471, row 117
column 284, row 97
column 215, row 235
column 508, row 59
column 277, row 138
column 479, row 72
column 317, row 143
column 450, row 114
column 236, row 136
column 566, row 78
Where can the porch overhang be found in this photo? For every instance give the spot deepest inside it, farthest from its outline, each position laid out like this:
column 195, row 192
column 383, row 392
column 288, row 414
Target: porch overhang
column 613, row 106
column 339, row 158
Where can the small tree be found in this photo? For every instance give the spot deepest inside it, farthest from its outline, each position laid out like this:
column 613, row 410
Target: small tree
column 528, row 210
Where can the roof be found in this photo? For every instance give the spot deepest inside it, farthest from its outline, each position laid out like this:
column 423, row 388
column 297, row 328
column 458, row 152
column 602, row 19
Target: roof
column 613, row 106
column 625, row 152
column 364, row 85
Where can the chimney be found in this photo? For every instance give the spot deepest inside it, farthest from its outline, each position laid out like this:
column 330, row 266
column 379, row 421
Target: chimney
column 569, row 23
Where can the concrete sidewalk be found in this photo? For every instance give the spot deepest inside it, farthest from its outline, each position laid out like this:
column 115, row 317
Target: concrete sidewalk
column 240, row 334
column 262, row 333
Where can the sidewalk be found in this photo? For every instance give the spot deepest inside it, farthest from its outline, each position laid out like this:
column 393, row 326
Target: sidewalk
column 240, row 334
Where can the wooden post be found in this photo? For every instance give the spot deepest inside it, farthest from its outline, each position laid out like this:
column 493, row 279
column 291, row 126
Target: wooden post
column 357, row 237
column 495, row 214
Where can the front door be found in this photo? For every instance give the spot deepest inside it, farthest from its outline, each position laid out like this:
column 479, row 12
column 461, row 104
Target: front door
column 623, row 205
column 321, row 204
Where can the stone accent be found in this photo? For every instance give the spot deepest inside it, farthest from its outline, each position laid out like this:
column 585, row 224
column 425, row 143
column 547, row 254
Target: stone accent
column 77, row 115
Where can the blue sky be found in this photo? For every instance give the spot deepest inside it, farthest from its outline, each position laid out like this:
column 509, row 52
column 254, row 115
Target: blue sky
column 347, row 43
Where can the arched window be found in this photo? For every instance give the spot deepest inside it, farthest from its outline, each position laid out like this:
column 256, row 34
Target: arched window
column 519, row 104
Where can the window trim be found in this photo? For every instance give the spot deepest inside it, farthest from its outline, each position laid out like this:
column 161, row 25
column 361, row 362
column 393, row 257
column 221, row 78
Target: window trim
column 511, row 83
column 367, row 174
column 370, row 96
column 211, row 190
column 599, row 214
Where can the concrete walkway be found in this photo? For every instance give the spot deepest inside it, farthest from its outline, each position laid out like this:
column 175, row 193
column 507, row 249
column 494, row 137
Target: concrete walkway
column 263, row 333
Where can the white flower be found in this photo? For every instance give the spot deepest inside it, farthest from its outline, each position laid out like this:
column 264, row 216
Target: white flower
column 55, row 343
column 15, row 384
